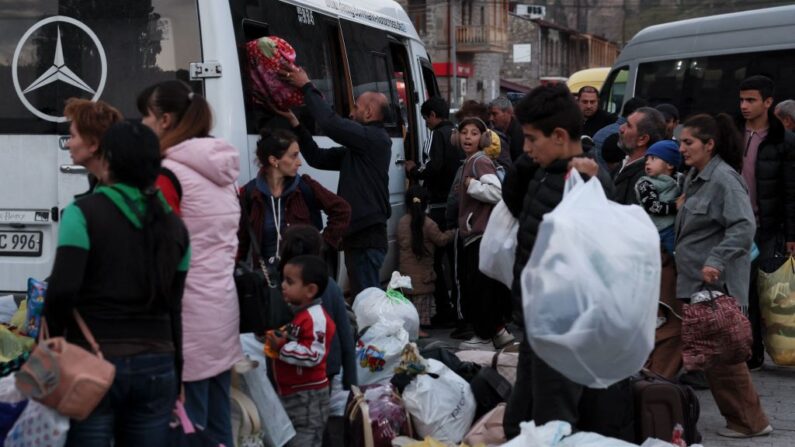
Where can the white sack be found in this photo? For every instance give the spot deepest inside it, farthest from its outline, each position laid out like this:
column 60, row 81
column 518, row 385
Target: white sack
column 442, row 408
column 38, row 426
column 378, row 351
column 498, row 245
column 591, row 286
column 276, row 426
column 547, row 435
column 373, row 304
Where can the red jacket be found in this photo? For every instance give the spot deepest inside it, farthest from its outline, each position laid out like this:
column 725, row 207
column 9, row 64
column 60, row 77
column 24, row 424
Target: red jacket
column 301, row 364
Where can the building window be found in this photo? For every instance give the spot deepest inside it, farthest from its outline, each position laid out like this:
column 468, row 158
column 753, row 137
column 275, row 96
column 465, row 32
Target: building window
column 418, row 13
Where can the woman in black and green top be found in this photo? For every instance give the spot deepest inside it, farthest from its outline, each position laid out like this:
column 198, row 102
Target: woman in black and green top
column 121, row 262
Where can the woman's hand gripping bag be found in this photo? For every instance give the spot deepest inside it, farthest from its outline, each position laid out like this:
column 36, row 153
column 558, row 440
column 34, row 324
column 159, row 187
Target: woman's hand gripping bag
column 591, row 286
column 441, row 404
column 373, row 304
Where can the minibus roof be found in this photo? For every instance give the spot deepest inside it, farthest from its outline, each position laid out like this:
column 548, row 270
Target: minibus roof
column 384, row 14
column 738, row 32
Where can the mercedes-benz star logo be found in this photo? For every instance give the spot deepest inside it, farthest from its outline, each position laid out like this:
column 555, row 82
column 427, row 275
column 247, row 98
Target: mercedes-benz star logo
column 59, row 71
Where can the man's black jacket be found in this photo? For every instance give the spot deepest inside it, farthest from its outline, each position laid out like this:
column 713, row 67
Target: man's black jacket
column 443, row 160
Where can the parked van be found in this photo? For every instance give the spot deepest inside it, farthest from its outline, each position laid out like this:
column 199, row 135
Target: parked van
column 698, row 64
column 112, row 50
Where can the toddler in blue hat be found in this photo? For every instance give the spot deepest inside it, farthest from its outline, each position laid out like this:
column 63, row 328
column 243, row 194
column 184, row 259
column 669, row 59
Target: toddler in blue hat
column 658, row 190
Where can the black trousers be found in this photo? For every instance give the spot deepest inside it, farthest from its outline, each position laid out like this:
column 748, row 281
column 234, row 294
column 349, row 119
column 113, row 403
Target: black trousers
column 542, row 394
column 445, row 295
column 485, row 302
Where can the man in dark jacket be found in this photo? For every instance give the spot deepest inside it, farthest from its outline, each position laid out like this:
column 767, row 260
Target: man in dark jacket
column 363, row 162
column 502, row 118
column 552, row 125
column 594, row 117
column 768, row 167
column 643, row 128
column 439, row 162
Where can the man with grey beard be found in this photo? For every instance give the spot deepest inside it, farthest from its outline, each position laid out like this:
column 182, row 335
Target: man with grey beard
column 643, row 128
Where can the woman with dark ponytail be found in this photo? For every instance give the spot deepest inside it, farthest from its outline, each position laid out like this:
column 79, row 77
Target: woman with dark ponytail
column 121, row 262
column 199, row 183
column 715, row 228
column 418, row 237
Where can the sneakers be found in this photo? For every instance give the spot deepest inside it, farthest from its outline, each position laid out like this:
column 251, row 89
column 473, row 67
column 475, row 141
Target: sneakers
column 503, row 338
column 729, row 433
column 476, row 343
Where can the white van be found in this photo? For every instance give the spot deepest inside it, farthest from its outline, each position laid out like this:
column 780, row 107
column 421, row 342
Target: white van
column 111, row 50
column 698, row 64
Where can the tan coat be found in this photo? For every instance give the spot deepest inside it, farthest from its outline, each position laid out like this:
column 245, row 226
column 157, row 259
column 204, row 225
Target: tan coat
column 420, row 270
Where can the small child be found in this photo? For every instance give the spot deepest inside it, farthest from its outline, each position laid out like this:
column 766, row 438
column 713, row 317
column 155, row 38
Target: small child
column 298, row 355
column 418, row 237
column 658, row 190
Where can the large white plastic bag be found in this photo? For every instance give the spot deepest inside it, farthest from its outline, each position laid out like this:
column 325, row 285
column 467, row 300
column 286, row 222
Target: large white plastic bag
column 443, row 407
column 591, row 287
column 378, row 351
column 276, row 426
column 498, row 245
column 373, row 304
column 38, row 426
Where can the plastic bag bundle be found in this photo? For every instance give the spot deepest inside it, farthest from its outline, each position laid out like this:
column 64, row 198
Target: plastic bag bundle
column 378, row 351
column 498, row 245
column 36, row 292
column 38, row 426
column 777, row 304
column 265, row 58
column 277, row 429
column 441, row 404
column 591, row 286
column 376, row 416
column 373, row 304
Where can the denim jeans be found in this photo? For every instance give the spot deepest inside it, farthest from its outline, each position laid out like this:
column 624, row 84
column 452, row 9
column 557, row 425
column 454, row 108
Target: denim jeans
column 668, row 239
column 137, row 409
column 208, row 405
column 364, row 265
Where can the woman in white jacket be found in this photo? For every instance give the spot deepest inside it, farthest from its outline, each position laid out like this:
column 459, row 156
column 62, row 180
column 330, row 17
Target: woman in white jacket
column 199, row 182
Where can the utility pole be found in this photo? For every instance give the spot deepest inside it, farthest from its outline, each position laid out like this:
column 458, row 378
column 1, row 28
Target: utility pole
column 453, row 56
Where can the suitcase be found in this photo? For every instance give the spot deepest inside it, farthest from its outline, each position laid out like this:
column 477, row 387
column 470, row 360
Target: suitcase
column 375, row 422
column 490, row 389
column 661, row 404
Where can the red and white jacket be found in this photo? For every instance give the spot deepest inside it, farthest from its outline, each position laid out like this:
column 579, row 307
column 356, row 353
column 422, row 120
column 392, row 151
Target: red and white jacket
column 301, row 364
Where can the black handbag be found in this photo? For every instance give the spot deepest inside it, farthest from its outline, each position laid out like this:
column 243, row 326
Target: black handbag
column 259, row 296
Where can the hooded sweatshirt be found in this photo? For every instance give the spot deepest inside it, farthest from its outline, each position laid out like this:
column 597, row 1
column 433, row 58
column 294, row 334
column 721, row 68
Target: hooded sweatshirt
column 101, row 270
column 207, row 169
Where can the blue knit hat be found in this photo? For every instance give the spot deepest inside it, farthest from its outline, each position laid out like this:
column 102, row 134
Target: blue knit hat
column 668, row 151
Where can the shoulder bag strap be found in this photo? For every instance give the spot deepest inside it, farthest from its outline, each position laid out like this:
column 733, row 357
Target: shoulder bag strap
column 87, row 333
column 253, row 237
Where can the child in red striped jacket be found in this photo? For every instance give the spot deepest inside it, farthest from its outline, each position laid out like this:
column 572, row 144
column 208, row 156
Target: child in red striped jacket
column 298, row 354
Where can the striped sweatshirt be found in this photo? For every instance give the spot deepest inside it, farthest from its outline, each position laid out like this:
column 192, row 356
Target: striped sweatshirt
column 301, row 364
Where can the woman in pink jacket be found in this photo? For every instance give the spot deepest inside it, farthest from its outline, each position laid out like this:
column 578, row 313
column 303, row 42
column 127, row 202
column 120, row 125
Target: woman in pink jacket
column 199, row 182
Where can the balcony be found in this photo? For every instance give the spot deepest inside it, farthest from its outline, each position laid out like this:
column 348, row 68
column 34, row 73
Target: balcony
column 476, row 39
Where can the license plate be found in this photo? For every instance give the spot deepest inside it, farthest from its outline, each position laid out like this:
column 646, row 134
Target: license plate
column 20, row 243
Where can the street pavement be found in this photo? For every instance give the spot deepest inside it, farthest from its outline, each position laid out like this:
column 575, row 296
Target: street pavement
column 776, row 388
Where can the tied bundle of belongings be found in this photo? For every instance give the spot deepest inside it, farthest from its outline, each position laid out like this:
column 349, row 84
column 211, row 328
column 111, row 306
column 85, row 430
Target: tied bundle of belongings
column 777, row 304
column 373, row 304
column 266, row 56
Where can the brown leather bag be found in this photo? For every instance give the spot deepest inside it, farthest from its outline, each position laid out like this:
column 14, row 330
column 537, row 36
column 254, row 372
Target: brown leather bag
column 64, row 376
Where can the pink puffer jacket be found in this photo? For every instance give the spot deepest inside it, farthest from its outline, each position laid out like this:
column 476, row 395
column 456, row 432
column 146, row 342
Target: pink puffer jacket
column 207, row 169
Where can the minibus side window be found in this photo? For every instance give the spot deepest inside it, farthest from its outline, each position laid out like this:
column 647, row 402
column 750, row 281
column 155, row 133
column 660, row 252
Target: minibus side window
column 710, row 84
column 613, row 92
column 370, row 62
column 429, row 79
column 311, row 34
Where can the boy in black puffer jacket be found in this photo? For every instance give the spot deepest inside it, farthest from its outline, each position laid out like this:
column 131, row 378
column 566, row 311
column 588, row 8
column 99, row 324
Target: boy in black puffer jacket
column 552, row 125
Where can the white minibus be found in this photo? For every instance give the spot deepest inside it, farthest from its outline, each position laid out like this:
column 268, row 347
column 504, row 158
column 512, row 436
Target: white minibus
column 698, row 64
column 56, row 49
